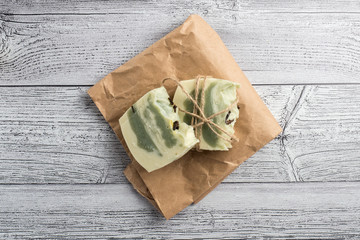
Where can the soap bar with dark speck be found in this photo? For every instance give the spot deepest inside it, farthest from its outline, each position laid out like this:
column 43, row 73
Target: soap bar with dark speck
column 219, row 94
column 153, row 131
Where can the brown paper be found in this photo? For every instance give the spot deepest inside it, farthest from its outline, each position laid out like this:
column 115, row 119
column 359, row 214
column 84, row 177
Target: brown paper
column 192, row 49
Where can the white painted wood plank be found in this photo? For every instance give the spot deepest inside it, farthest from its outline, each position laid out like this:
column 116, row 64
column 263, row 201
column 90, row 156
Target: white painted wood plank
column 117, row 7
column 295, row 42
column 57, row 135
column 332, row 116
column 282, row 211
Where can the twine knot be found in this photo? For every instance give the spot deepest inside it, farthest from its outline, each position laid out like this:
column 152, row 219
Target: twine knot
column 198, row 116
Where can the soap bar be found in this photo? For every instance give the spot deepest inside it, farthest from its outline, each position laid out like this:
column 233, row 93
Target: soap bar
column 219, row 95
column 153, row 131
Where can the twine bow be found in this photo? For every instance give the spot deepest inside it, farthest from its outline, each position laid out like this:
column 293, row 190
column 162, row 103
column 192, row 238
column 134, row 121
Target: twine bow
column 198, row 116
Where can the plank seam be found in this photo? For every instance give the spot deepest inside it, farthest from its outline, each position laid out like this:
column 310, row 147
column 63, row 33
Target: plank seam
column 255, row 84
column 222, row 183
column 127, row 13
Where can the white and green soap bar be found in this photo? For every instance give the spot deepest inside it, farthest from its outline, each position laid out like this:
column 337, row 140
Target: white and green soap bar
column 153, row 131
column 219, row 94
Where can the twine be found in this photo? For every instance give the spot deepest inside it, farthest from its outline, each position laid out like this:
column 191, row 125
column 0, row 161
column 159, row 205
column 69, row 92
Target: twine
column 198, row 116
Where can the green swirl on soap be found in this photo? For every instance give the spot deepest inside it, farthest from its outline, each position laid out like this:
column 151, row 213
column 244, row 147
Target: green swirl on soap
column 144, row 140
column 162, row 124
column 209, row 136
column 189, row 106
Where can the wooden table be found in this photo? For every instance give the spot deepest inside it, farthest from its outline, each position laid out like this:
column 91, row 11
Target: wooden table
column 61, row 164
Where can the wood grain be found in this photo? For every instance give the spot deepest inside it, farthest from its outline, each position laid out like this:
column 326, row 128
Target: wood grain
column 120, row 6
column 54, row 143
column 57, row 135
column 51, row 43
column 282, row 211
column 331, row 115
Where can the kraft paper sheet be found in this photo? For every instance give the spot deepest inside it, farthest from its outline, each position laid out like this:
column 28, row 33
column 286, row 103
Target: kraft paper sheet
column 192, row 49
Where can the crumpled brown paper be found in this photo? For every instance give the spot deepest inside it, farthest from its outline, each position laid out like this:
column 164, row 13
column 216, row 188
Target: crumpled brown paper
column 192, row 49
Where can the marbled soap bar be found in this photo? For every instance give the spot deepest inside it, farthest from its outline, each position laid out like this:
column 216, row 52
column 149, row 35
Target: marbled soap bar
column 153, row 131
column 219, row 94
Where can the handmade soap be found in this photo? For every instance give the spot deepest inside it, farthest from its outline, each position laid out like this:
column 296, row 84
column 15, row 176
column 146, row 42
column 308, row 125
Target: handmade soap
column 219, row 95
column 153, row 131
